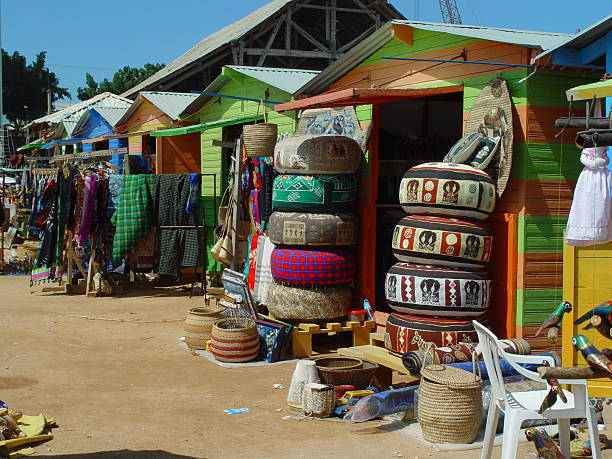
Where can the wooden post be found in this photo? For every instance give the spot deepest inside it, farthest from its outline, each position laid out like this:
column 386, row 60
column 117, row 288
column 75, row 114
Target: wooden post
column 91, row 264
column 236, row 191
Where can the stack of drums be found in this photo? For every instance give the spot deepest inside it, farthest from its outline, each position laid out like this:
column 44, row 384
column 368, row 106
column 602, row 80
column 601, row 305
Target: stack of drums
column 443, row 246
column 313, row 227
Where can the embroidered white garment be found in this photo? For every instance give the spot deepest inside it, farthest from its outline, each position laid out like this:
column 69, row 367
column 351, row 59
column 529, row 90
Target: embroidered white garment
column 589, row 220
column 263, row 270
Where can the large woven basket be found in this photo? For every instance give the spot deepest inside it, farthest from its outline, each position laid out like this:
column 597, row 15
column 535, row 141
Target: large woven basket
column 339, row 371
column 259, row 139
column 450, row 404
column 199, row 324
column 234, row 340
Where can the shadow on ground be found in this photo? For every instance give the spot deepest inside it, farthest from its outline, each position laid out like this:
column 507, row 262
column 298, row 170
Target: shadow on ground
column 121, row 454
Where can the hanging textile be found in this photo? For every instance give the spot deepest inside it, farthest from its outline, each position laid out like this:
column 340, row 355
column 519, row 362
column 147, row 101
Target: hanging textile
column 195, row 191
column 132, row 219
column 114, row 192
column 88, row 212
column 263, row 269
column 177, row 247
column 589, row 221
column 48, row 264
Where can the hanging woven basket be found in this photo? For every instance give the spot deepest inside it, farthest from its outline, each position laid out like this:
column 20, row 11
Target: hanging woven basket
column 259, row 139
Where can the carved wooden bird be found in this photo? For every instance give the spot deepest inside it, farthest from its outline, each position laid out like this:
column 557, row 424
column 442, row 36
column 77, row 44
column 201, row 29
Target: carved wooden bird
column 551, row 398
column 555, row 318
column 602, row 310
column 591, row 354
column 601, row 324
column 546, row 449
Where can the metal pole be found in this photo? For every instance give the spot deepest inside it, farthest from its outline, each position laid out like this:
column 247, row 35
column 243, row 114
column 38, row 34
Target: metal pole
column 2, row 207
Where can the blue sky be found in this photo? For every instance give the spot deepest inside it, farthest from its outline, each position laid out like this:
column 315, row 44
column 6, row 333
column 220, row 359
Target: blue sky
column 100, row 39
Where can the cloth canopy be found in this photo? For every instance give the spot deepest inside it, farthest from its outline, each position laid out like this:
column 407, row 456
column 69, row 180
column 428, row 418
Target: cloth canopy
column 588, row 91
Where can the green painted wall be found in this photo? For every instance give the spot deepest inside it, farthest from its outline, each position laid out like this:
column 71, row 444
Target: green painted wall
column 534, row 305
column 217, row 108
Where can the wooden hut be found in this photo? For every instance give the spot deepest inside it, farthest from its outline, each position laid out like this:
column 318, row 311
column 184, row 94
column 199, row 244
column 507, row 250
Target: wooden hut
column 239, row 96
column 418, row 109
column 586, row 270
column 159, row 110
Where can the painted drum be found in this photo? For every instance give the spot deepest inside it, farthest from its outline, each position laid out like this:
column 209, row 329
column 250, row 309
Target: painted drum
column 428, row 240
column 312, row 267
column 437, row 291
column 448, row 189
column 408, row 333
column 299, row 303
column 318, row 193
column 317, row 154
column 294, row 228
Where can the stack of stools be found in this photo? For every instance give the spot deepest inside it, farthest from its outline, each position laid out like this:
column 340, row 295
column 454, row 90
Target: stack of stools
column 311, row 225
column 443, row 245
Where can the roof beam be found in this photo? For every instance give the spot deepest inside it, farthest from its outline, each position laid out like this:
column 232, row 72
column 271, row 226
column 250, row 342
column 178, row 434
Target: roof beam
column 271, row 39
column 358, row 39
column 323, row 7
column 289, row 53
column 372, row 14
column 309, row 37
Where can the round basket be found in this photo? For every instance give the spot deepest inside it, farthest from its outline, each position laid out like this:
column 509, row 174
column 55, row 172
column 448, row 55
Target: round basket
column 259, row 139
column 234, row 340
column 450, row 404
column 340, row 371
column 199, row 324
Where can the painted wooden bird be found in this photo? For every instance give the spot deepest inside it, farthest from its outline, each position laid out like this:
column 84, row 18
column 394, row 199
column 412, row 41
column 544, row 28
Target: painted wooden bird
column 555, row 318
column 601, row 324
column 591, row 354
column 546, row 449
column 551, row 398
column 602, row 310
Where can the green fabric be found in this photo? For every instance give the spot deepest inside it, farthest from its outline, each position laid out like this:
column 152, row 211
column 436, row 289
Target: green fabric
column 204, row 126
column 314, row 192
column 132, row 219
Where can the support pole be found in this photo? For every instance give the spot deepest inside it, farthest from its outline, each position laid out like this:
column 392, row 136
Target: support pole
column 237, row 173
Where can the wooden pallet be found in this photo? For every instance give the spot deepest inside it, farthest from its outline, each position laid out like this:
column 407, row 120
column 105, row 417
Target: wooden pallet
column 376, row 352
column 303, row 333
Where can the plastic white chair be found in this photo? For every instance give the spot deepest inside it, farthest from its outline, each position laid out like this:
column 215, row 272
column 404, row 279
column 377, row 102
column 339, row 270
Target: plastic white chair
column 520, row 406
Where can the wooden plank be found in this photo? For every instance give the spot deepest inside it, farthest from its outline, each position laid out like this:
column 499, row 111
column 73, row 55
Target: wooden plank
column 53, row 289
column 402, row 33
column 332, row 326
column 308, row 328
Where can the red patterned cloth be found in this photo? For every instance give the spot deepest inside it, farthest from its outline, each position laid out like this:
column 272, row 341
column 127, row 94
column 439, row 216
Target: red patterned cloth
column 312, row 267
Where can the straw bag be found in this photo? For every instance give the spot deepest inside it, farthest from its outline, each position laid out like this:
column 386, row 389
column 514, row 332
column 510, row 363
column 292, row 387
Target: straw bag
column 222, row 250
column 260, row 139
column 450, row 404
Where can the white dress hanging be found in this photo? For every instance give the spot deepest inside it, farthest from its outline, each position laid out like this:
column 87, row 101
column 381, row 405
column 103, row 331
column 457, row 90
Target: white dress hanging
column 589, row 220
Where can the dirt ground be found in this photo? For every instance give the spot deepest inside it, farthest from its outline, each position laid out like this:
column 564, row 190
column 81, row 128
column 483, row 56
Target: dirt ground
column 126, row 390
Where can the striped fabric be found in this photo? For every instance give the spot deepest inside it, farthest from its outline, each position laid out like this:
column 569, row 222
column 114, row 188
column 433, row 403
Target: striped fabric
column 312, row 267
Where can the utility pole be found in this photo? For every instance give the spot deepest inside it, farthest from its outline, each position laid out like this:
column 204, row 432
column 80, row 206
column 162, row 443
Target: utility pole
column 48, row 91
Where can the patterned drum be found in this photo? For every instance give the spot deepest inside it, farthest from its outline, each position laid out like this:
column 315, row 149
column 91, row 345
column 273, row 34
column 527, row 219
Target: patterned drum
column 442, row 242
column 437, row 291
column 292, row 228
column 447, row 189
column 312, row 267
column 299, row 303
column 409, row 333
column 317, row 154
column 319, row 193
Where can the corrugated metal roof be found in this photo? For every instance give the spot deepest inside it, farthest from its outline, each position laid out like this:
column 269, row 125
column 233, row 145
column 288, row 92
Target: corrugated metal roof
column 170, row 103
column 72, row 113
column 288, row 80
column 110, row 114
column 531, row 39
column 214, row 41
column 582, row 39
column 378, row 39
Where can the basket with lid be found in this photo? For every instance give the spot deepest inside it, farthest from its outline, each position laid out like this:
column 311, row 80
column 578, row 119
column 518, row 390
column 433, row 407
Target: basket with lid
column 450, row 404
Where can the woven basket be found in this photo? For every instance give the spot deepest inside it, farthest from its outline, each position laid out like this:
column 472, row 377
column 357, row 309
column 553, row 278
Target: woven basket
column 259, row 139
column 339, row 371
column 319, row 400
column 450, row 404
column 199, row 324
column 234, row 340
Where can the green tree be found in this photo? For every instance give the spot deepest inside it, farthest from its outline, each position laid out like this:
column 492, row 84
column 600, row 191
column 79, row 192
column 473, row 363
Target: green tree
column 124, row 79
column 25, row 85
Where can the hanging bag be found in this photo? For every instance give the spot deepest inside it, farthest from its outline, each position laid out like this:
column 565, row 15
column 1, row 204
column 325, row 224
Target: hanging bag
column 222, row 250
column 222, row 211
column 260, row 139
